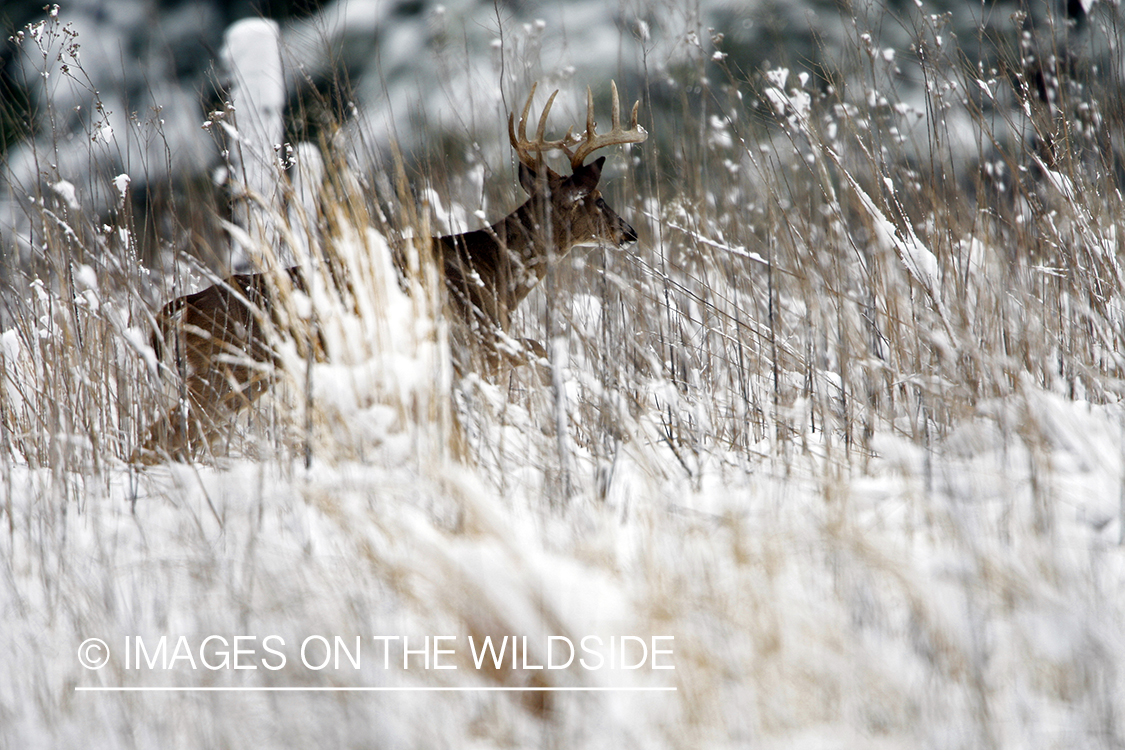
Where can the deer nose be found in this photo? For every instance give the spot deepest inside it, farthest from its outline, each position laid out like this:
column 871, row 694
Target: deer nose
column 628, row 234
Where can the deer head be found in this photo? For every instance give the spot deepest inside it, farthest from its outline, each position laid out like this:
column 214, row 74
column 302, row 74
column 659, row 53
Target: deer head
column 490, row 271
column 572, row 205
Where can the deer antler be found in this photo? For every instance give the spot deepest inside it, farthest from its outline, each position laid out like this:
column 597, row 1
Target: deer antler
column 524, row 147
column 531, row 152
column 593, row 141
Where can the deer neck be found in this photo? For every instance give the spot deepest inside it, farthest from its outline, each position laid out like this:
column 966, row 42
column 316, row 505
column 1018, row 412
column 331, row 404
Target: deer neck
column 498, row 266
column 530, row 242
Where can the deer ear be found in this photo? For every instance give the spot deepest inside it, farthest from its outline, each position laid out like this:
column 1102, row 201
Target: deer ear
column 586, row 177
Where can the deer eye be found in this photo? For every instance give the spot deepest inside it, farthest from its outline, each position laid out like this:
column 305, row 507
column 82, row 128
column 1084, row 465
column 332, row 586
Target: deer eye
column 600, row 203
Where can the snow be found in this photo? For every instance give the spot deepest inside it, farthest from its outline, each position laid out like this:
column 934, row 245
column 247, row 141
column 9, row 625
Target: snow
column 66, row 191
column 894, row 597
column 121, row 182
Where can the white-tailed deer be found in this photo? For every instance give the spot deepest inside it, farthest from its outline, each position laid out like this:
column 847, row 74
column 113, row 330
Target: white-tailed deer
column 217, row 334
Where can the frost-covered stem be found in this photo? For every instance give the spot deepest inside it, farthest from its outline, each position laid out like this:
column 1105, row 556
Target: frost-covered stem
column 771, row 317
column 556, row 353
column 6, row 448
column 558, row 391
column 1121, row 501
column 309, row 351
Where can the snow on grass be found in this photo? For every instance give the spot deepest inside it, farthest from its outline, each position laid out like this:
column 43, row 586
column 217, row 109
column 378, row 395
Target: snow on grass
column 967, row 593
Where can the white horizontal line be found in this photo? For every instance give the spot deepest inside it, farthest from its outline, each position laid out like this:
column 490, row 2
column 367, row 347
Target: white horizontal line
column 437, row 689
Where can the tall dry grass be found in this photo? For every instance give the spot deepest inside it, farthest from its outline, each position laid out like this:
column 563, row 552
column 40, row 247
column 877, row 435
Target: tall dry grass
column 822, row 255
column 828, row 258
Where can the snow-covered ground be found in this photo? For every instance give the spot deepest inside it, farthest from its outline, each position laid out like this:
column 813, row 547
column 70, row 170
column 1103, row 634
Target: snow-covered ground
column 968, row 595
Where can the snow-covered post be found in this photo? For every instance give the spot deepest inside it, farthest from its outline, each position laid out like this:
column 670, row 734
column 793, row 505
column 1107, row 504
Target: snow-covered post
column 307, row 176
column 252, row 54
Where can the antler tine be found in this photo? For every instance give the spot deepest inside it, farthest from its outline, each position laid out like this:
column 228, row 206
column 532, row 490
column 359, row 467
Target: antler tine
column 542, row 129
column 616, row 135
column 591, row 126
column 520, row 143
column 615, row 110
column 525, row 148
